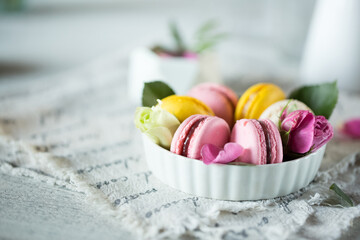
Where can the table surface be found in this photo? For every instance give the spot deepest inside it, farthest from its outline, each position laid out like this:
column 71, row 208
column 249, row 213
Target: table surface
column 30, row 48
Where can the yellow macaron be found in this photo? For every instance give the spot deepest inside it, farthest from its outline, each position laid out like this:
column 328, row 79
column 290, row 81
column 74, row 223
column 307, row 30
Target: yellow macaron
column 183, row 106
column 256, row 99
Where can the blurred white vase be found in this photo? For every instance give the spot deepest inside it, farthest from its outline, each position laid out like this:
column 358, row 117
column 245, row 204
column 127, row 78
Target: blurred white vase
column 178, row 72
column 332, row 50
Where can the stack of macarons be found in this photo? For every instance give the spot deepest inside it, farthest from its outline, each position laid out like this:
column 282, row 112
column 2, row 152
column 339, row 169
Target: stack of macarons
column 212, row 114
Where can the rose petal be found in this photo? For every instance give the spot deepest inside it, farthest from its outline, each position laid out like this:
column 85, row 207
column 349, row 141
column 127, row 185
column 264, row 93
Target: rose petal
column 213, row 154
column 209, row 152
column 160, row 135
column 352, row 128
column 323, row 132
column 156, row 123
column 300, row 123
column 161, row 117
column 142, row 116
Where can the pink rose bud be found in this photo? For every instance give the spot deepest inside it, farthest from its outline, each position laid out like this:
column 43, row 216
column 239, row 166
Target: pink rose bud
column 323, row 132
column 300, row 125
column 352, row 128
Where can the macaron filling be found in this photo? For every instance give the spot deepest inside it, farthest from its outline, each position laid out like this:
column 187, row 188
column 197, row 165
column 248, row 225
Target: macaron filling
column 190, row 133
column 268, row 142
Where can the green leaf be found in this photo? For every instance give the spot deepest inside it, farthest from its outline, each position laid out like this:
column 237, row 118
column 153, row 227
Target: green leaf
column 201, row 47
column 346, row 200
column 153, row 91
column 207, row 27
column 320, row 98
column 206, row 37
column 179, row 43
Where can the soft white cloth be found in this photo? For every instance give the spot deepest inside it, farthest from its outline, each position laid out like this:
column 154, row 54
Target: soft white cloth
column 77, row 131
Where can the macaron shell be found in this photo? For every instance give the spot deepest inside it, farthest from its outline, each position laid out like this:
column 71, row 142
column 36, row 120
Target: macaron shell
column 184, row 106
column 256, row 99
column 220, row 99
column 275, row 141
column 213, row 130
column 221, row 89
column 217, row 102
column 265, row 97
column 249, row 134
column 242, row 106
column 182, row 132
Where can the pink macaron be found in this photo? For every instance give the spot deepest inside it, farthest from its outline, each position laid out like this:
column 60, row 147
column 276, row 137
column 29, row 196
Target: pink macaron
column 198, row 130
column 221, row 99
column 260, row 139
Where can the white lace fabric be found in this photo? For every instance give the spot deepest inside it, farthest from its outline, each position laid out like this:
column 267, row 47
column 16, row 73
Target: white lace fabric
column 77, row 131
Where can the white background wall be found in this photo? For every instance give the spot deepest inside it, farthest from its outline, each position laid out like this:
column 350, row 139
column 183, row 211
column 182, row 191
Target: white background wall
column 265, row 37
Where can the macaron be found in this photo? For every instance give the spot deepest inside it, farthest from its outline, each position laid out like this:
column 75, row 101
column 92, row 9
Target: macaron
column 256, row 99
column 274, row 111
column 198, row 130
column 184, row 106
column 221, row 99
column 260, row 139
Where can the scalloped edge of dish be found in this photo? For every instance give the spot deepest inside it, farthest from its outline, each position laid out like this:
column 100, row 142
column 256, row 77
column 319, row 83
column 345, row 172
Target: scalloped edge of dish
column 231, row 182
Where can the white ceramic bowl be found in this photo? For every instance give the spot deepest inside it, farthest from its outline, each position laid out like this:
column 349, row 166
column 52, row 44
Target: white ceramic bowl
column 231, row 182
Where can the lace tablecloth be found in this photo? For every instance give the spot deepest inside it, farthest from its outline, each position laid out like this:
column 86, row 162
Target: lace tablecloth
column 76, row 130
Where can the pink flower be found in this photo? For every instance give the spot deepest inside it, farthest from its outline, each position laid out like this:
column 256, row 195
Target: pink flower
column 352, row 128
column 190, row 55
column 299, row 126
column 323, row 132
column 305, row 132
column 213, row 154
